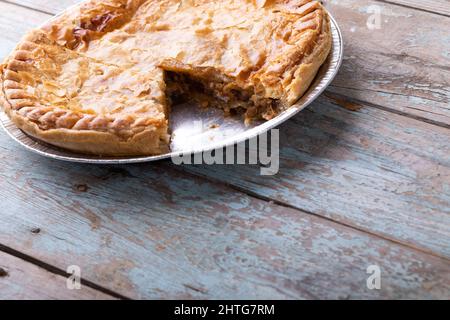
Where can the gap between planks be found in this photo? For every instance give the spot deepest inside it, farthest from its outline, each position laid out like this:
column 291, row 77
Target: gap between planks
column 249, row 193
column 61, row 272
column 21, row 280
column 55, row 270
column 361, row 103
column 348, row 99
column 218, row 226
column 28, row 7
column 95, row 286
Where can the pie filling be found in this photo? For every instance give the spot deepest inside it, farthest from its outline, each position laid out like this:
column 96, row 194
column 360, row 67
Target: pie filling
column 228, row 96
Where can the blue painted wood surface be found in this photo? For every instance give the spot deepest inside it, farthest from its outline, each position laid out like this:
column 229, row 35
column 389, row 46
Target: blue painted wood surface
column 23, row 280
column 146, row 231
column 370, row 169
column 365, row 180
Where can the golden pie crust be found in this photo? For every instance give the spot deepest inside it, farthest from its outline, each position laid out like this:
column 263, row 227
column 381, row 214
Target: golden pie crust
column 99, row 78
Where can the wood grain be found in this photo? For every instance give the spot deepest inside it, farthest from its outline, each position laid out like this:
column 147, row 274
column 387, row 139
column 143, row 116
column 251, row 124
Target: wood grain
column 21, row 280
column 435, row 6
column 148, row 232
column 403, row 66
column 13, row 25
column 371, row 169
column 157, row 231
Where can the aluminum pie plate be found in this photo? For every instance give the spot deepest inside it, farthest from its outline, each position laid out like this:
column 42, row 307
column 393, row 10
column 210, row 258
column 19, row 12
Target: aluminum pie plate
column 196, row 129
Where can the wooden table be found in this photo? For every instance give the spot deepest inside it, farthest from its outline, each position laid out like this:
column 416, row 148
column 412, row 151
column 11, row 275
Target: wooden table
column 364, row 180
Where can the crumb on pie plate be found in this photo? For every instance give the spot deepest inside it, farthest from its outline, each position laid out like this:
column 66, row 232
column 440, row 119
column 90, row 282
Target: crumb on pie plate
column 101, row 78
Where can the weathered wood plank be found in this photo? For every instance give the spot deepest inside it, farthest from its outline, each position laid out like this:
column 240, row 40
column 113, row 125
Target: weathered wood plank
column 22, row 280
column 372, row 169
column 403, row 66
column 243, row 252
column 434, row 6
column 146, row 231
column 350, row 9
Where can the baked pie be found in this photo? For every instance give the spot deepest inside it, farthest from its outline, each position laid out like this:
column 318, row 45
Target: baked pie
column 101, row 78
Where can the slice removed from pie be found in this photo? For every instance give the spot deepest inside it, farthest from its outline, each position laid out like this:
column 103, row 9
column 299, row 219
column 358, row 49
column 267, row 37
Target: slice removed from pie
column 98, row 79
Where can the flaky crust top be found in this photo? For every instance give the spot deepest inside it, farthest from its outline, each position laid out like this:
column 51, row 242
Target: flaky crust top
column 259, row 43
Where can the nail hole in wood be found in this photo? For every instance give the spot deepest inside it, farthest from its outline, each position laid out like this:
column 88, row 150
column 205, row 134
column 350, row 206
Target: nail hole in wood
column 3, row 273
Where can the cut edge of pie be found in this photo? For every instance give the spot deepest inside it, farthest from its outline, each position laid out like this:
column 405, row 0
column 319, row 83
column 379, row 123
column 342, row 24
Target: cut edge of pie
column 42, row 98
